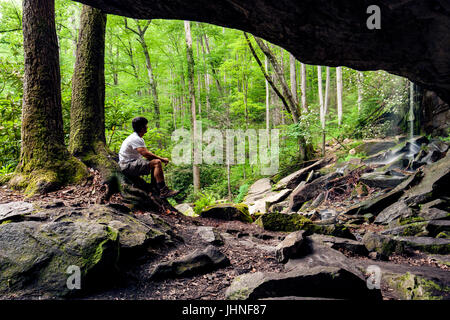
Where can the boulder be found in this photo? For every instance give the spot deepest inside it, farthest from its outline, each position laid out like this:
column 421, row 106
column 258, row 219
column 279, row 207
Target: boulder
column 186, row 210
column 290, row 246
column 258, row 190
column 409, row 286
column 435, row 181
column 381, row 180
column 262, row 205
column 276, row 221
column 435, row 227
column 15, row 210
column 210, row 235
column 138, row 235
column 310, row 190
column 412, row 229
column 397, row 210
column 319, row 281
column 227, row 211
column 386, row 245
column 35, row 257
column 291, row 181
column 199, row 261
column 337, row 243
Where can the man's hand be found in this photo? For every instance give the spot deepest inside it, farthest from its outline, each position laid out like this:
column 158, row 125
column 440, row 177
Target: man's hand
column 165, row 160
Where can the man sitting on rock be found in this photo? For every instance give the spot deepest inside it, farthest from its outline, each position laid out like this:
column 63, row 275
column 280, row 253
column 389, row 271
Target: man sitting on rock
column 131, row 159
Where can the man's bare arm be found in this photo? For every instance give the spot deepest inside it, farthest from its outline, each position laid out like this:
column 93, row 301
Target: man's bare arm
column 149, row 155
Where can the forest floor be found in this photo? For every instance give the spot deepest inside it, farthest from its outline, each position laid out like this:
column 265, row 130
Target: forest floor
column 248, row 247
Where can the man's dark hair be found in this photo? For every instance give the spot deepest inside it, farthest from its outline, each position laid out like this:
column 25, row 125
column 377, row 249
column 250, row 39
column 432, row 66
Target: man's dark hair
column 139, row 123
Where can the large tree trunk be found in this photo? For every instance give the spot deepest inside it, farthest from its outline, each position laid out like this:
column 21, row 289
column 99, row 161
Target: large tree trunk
column 191, row 79
column 87, row 113
column 45, row 163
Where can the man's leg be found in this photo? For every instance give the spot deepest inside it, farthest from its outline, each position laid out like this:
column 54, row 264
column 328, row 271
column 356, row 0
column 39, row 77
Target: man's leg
column 156, row 167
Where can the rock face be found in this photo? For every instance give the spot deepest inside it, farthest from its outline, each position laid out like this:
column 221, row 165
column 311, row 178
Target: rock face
column 328, row 32
column 381, row 180
column 35, row 255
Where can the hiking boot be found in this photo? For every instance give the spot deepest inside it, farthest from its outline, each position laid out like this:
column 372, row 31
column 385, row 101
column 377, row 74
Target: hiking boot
column 167, row 193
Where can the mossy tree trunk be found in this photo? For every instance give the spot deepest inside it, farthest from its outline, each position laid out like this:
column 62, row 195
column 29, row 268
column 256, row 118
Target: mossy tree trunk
column 45, row 163
column 87, row 113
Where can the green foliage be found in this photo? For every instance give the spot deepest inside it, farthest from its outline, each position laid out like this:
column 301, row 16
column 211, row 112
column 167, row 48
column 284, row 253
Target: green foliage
column 243, row 189
column 204, row 199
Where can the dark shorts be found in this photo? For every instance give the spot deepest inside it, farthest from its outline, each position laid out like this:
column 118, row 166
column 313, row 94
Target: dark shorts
column 139, row 167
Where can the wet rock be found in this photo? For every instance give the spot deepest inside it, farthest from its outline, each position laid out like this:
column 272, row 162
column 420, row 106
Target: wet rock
column 227, row 211
column 292, row 180
column 279, row 207
column 310, row 190
column 378, row 203
column 197, row 262
column 381, row 180
column 371, row 148
column 319, row 281
column 290, row 246
column 210, row 235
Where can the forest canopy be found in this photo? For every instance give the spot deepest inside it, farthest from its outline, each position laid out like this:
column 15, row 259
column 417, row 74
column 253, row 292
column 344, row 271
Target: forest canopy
column 147, row 74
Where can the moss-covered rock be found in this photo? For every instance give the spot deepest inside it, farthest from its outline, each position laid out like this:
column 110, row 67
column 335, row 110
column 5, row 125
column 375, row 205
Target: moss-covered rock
column 413, row 287
column 35, row 257
column 276, row 221
column 227, row 211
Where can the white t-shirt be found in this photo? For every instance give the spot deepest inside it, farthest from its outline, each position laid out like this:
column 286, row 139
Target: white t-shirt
column 128, row 150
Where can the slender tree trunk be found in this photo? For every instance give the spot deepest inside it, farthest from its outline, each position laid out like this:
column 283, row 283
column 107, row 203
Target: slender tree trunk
column 339, row 93
column 191, row 79
column 303, row 88
column 293, row 77
column 45, row 163
column 267, row 97
column 360, row 80
column 140, row 32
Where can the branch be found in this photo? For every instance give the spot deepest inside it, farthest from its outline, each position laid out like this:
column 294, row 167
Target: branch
column 286, row 106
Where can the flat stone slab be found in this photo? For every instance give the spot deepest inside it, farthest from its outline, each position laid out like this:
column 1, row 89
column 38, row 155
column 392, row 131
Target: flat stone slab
column 291, row 181
column 262, row 205
column 396, row 210
column 199, row 261
column 186, row 210
column 258, row 190
column 336, row 243
column 15, row 209
column 381, row 180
